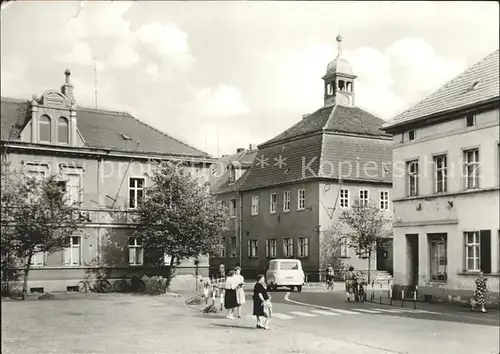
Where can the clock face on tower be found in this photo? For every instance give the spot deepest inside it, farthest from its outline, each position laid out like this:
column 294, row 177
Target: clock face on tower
column 343, row 99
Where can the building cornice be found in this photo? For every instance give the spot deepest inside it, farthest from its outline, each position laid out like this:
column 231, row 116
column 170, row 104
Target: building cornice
column 448, row 194
column 451, row 114
column 102, row 152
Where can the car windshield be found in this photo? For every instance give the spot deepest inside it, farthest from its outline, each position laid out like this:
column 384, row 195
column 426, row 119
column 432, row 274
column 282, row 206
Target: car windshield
column 289, row 265
column 272, row 265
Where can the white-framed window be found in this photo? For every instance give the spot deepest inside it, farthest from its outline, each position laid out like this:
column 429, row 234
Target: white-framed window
column 255, row 205
column 135, row 191
column 232, row 208
column 167, row 258
column 253, row 248
column 135, row 251
column 344, row 198
column 271, row 248
column 345, row 249
column 363, row 196
column 286, row 201
column 438, row 258
column 472, row 251
column 384, row 200
column 471, row 168
column 73, row 254
column 233, row 247
column 288, row 247
column 440, row 174
column 74, row 187
column 303, row 247
column 412, row 177
column 38, row 259
column 301, row 200
column 222, row 252
column 273, row 202
column 38, row 173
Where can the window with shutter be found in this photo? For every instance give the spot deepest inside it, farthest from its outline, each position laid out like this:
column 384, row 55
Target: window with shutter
column 485, row 244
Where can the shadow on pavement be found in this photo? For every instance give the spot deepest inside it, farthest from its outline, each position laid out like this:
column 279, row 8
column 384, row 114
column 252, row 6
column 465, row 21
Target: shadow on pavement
column 231, row 326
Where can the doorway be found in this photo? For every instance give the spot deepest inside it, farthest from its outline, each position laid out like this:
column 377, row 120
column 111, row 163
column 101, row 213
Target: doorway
column 384, row 256
column 412, row 259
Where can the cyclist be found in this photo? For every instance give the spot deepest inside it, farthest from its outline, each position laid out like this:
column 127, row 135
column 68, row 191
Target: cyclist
column 329, row 277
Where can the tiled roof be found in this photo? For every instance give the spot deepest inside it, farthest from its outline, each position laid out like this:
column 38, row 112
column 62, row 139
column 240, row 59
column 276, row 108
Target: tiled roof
column 320, row 140
column 266, row 170
column 220, row 182
column 459, row 92
column 102, row 129
column 336, row 118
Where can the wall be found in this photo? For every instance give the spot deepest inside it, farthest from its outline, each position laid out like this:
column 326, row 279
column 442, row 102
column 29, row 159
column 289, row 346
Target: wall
column 292, row 224
column 328, row 216
column 104, row 237
column 453, row 212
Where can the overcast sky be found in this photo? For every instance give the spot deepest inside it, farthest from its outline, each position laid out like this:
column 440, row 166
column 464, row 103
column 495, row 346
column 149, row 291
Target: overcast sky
column 238, row 72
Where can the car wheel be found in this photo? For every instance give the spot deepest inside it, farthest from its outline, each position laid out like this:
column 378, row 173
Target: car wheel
column 292, row 288
column 299, row 288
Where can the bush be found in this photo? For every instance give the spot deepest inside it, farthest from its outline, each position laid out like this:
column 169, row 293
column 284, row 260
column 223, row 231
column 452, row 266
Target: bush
column 155, row 285
column 210, row 309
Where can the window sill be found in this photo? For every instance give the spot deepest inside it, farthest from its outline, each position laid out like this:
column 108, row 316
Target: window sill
column 301, row 209
column 272, row 212
column 476, row 273
column 286, row 211
column 254, row 214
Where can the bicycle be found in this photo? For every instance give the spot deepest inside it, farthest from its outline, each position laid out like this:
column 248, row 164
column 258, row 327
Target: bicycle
column 329, row 283
column 98, row 286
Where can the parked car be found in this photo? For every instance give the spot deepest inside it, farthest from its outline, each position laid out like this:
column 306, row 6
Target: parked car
column 285, row 273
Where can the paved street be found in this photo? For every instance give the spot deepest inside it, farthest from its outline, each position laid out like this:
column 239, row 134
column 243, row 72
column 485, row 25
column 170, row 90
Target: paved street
column 427, row 329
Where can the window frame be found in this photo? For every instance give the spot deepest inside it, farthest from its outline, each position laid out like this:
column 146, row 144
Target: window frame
column 68, row 252
column 136, row 190
column 288, row 246
column 273, row 205
column 49, row 123
column 271, row 248
column 287, row 201
column 475, row 165
column 384, row 201
column 59, row 120
column 137, row 246
column 233, row 207
column 412, row 176
column 476, row 246
column 435, row 242
column 235, row 248
column 253, row 245
column 363, row 200
column 467, row 116
column 410, row 138
column 301, row 200
column 255, row 205
column 37, row 256
column 442, row 169
column 344, row 198
column 303, row 247
column 345, row 248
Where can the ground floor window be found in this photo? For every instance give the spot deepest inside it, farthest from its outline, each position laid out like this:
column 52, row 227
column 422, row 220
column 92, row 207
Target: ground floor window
column 253, row 248
column 438, row 257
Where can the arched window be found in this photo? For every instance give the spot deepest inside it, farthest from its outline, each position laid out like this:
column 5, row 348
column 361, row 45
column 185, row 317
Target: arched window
column 44, row 128
column 341, row 85
column 62, row 131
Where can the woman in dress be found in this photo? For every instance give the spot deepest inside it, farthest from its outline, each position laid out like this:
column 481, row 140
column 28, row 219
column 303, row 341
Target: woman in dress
column 349, row 283
column 230, row 295
column 481, row 291
column 261, row 301
column 240, row 292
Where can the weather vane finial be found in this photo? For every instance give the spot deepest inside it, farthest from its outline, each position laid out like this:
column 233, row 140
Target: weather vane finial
column 339, row 40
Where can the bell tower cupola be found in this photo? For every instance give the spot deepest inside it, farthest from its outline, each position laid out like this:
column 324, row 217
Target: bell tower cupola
column 339, row 80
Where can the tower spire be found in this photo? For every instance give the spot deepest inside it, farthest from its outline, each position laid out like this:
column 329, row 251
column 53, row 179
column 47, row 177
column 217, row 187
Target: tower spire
column 339, row 46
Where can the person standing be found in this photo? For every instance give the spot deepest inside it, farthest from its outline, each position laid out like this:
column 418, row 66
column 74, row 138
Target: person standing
column 481, row 291
column 350, row 280
column 240, row 292
column 329, row 277
column 230, row 302
column 261, row 299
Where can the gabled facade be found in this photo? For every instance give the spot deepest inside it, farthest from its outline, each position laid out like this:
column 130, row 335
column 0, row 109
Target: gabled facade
column 103, row 158
column 446, row 189
column 302, row 179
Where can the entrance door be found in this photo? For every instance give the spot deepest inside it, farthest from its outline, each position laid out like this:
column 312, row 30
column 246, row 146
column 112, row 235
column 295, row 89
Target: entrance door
column 412, row 259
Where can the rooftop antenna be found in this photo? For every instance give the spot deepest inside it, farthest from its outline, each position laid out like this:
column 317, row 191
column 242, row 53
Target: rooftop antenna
column 95, row 82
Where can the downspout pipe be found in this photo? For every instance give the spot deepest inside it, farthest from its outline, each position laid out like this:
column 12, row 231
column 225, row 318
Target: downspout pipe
column 240, row 227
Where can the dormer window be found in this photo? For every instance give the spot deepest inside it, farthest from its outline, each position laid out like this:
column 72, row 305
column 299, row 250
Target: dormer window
column 62, row 131
column 44, row 129
column 232, row 174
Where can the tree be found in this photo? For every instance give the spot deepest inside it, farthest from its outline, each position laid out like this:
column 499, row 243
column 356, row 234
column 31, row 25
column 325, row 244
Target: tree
column 37, row 216
column 178, row 217
column 331, row 248
column 368, row 227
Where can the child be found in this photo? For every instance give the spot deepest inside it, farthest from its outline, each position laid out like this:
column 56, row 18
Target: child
column 206, row 290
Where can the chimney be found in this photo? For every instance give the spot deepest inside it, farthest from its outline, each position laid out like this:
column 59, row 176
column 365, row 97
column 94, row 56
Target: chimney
column 252, row 147
column 67, row 89
column 238, row 150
